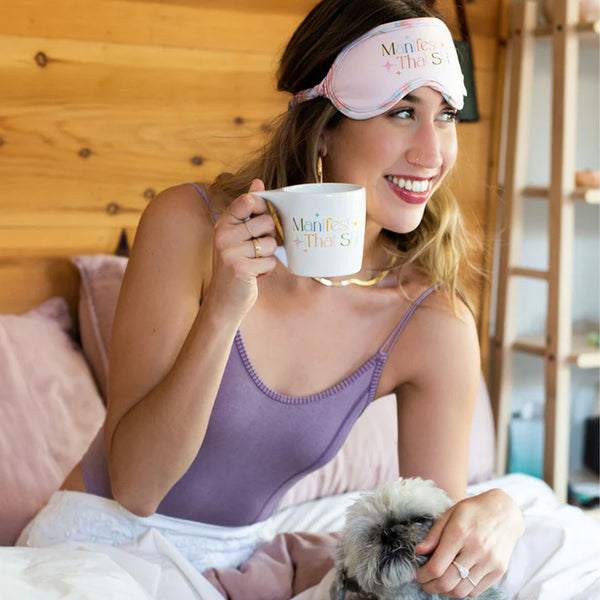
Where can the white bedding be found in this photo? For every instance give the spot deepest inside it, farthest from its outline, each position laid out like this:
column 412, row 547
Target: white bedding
column 558, row 557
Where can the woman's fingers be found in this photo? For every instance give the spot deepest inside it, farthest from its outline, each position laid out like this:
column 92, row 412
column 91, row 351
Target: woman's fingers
column 244, row 244
column 432, row 538
column 471, row 543
column 247, row 205
column 260, row 247
column 438, row 574
column 256, row 227
column 238, row 235
column 481, row 584
column 245, row 236
column 246, row 218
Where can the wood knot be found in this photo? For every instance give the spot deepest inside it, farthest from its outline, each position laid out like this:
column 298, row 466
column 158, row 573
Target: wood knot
column 112, row 208
column 149, row 193
column 41, row 59
column 239, row 120
column 197, row 160
column 85, row 152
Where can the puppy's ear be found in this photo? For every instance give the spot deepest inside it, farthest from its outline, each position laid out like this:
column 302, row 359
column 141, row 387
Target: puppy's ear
column 337, row 590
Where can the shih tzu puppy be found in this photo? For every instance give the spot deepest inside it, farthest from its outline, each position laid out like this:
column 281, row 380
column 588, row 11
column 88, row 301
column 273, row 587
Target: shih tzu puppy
column 376, row 558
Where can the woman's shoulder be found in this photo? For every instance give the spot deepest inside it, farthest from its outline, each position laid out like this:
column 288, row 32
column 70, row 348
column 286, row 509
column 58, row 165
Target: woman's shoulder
column 437, row 330
column 437, row 359
column 175, row 235
column 448, row 309
column 445, row 319
column 435, row 301
column 183, row 201
column 178, row 215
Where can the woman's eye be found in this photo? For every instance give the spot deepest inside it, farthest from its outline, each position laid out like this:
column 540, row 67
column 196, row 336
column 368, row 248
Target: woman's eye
column 449, row 116
column 402, row 113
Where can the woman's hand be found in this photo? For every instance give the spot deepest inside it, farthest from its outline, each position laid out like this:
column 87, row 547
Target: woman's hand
column 479, row 533
column 244, row 245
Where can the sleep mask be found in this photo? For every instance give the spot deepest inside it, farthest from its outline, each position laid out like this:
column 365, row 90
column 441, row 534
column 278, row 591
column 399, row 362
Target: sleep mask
column 388, row 62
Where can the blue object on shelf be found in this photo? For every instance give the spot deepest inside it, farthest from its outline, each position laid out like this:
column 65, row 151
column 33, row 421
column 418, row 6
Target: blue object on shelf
column 526, row 446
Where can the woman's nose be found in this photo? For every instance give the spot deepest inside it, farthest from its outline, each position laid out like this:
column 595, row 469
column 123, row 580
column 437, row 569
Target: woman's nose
column 425, row 148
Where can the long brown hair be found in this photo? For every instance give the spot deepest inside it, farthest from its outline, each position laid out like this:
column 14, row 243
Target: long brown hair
column 437, row 246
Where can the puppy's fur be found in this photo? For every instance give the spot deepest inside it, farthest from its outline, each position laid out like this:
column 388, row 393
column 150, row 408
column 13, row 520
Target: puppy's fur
column 376, row 558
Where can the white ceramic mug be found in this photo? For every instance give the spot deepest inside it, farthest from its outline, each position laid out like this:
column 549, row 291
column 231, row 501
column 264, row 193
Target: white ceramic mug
column 323, row 227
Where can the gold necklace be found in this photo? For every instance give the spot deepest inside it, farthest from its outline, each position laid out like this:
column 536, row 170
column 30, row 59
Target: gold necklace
column 354, row 281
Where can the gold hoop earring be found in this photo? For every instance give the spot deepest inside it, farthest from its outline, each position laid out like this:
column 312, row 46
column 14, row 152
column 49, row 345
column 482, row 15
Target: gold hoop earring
column 320, row 169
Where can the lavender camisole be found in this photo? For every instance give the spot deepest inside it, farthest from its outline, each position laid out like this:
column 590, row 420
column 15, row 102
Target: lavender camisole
column 258, row 442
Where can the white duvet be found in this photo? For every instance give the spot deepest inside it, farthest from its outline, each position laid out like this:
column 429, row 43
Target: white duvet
column 558, row 557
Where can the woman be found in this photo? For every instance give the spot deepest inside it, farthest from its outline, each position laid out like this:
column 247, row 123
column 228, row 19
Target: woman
column 209, row 325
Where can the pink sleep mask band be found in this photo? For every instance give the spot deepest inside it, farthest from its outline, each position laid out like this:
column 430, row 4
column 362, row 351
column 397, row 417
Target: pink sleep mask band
column 374, row 72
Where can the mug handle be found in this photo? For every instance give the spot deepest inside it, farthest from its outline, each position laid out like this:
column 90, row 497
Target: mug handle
column 279, row 253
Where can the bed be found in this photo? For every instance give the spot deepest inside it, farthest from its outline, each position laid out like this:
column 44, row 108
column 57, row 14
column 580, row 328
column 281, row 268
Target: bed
column 53, row 361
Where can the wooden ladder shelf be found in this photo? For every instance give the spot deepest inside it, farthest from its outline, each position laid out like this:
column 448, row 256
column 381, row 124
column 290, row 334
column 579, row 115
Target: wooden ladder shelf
column 557, row 345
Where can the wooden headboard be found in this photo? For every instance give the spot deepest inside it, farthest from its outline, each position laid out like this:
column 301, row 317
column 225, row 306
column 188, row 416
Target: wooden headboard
column 105, row 103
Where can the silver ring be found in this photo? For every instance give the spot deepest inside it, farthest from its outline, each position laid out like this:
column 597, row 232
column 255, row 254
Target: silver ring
column 463, row 572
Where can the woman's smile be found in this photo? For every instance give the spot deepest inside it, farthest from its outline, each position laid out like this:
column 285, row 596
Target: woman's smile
column 411, row 190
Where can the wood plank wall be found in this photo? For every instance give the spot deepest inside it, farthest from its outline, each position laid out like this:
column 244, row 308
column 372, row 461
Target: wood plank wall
column 103, row 103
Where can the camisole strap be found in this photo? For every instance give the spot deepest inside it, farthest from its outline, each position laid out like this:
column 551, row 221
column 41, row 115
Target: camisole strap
column 213, row 212
column 393, row 337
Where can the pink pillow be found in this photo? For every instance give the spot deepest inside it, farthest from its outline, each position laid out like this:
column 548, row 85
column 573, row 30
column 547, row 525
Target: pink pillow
column 50, row 410
column 101, row 276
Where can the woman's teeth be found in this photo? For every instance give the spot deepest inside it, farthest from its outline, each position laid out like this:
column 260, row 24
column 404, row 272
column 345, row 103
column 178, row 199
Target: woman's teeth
column 412, row 185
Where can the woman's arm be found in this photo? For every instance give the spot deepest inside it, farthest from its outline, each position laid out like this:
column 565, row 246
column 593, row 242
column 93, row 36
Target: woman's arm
column 168, row 349
column 440, row 355
column 435, row 410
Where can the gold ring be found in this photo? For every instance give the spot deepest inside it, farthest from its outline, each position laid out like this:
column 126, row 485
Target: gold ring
column 468, row 578
column 257, row 248
column 248, row 228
